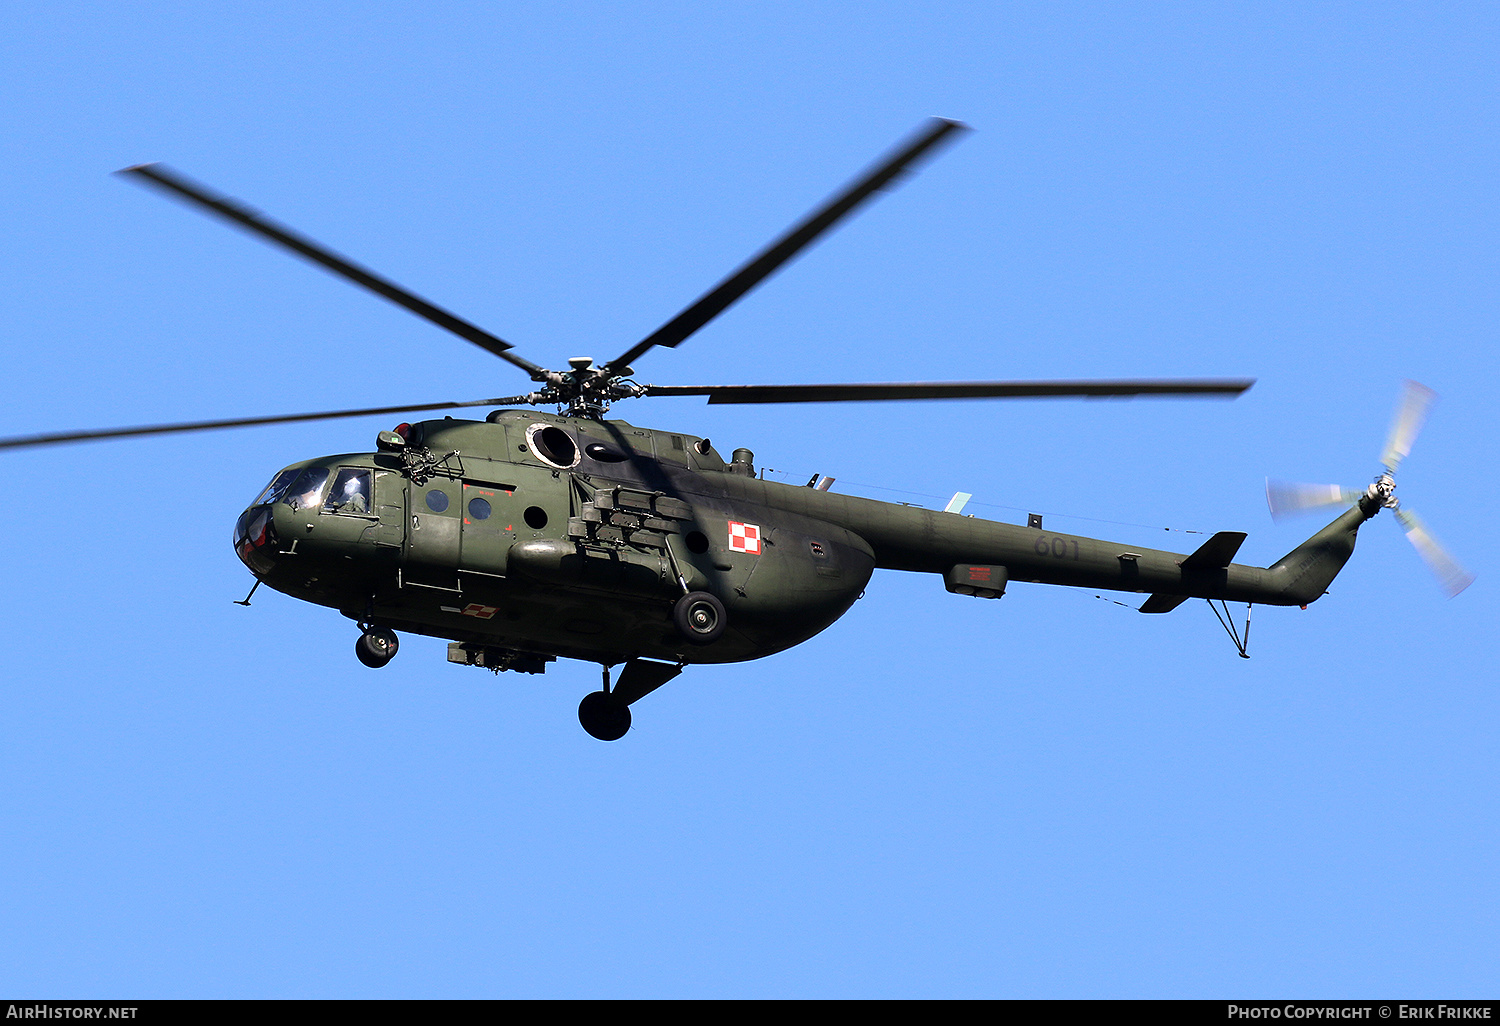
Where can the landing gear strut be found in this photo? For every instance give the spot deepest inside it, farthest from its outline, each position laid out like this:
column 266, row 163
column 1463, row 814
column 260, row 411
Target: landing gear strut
column 606, row 714
column 376, row 647
column 1241, row 642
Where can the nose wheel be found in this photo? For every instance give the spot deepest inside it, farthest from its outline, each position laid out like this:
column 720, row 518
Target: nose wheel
column 699, row 617
column 376, row 647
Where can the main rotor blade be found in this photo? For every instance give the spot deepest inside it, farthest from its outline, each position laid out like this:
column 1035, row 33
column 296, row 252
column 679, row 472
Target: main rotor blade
column 1452, row 577
column 1286, row 498
column 953, row 390
column 765, row 263
column 170, row 181
column 1411, row 414
column 65, row 437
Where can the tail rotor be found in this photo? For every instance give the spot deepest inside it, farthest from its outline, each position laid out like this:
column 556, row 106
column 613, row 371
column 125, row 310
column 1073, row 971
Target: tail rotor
column 1286, row 498
column 1411, row 414
column 1451, row 577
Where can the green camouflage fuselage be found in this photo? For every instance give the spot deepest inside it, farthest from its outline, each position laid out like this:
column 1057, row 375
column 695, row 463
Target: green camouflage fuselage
column 570, row 537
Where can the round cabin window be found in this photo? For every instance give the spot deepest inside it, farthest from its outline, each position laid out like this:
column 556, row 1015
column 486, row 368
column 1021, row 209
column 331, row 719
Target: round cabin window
column 437, row 500
column 553, row 446
column 536, row 517
column 479, row 508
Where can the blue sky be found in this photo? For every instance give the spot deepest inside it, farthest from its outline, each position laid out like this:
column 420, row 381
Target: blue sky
column 1046, row 796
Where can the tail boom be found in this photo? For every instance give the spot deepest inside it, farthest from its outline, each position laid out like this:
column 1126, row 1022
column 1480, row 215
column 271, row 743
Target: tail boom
column 933, row 541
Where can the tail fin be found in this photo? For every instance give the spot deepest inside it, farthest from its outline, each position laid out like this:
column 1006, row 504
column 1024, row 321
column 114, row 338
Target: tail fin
column 1309, row 568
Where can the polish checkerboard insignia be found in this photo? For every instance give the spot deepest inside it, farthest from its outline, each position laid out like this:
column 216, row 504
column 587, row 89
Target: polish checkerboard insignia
column 483, row 612
column 744, row 538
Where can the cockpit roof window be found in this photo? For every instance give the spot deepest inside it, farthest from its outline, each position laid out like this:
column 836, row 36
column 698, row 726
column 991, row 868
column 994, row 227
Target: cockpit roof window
column 307, row 490
column 276, row 487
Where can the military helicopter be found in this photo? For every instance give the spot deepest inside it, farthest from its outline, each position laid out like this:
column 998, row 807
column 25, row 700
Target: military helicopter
column 530, row 536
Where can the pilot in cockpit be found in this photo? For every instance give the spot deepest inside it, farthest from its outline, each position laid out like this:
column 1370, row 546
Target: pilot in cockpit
column 350, row 492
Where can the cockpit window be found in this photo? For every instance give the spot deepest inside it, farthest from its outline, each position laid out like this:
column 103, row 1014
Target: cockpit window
column 305, row 492
column 350, row 492
column 276, row 487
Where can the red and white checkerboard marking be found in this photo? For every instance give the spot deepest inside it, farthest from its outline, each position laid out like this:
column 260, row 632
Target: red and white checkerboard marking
column 483, row 612
column 744, row 538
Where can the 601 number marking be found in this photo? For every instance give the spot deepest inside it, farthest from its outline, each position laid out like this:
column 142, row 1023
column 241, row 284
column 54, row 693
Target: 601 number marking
column 1057, row 547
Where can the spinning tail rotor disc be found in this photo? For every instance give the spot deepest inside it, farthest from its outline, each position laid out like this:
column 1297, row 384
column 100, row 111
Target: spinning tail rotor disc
column 1451, row 577
column 1287, row 498
column 1411, row 414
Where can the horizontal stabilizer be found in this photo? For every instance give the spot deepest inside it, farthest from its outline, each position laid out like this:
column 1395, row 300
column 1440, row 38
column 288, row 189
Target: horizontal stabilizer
column 1216, row 553
column 1162, row 603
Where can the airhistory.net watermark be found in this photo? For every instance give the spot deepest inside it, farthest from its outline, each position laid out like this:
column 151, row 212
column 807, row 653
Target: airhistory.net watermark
column 41, row 1010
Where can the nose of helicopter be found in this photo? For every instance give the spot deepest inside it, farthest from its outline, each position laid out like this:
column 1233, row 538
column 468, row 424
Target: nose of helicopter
column 255, row 539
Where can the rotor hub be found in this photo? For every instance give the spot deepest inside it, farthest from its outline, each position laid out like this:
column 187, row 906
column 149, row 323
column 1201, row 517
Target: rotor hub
column 586, row 390
column 1381, row 494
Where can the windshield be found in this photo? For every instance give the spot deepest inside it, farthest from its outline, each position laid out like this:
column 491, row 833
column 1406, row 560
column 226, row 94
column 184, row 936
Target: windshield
column 276, row 487
column 350, row 492
column 307, row 489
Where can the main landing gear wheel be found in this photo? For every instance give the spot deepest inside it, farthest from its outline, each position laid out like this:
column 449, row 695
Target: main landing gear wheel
column 604, row 716
column 700, row 618
column 376, row 647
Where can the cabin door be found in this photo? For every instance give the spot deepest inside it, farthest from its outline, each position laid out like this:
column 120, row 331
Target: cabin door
column 433, row 529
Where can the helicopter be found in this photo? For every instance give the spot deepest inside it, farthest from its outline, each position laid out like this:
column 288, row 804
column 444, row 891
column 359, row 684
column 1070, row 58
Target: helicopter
column 535, row 535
